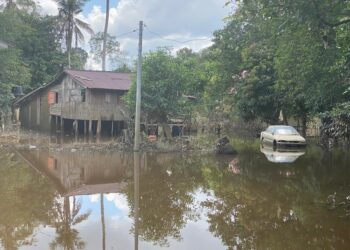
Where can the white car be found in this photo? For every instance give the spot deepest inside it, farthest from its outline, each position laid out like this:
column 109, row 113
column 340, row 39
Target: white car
column 282, row 136
column 282, row 156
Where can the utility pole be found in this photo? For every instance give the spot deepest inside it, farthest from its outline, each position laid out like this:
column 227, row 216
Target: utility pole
column 138, row 92
column 137, row 166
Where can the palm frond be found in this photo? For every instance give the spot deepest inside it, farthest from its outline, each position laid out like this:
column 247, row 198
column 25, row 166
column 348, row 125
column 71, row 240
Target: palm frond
column 79, row 34
column 83, row 25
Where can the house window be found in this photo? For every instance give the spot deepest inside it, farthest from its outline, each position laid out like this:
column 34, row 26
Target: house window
column 52, row 97
column 56, row 97
column 83, row 95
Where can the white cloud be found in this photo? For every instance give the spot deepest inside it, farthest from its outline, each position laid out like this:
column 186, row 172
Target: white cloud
column 181, row 20
column 48, row 7
column 120, row 202
column 94, row 198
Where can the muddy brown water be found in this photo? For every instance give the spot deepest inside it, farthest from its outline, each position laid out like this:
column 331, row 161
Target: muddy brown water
column 259, row 199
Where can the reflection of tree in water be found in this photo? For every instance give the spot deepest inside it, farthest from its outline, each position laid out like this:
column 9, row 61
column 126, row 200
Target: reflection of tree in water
column 63, row 217
column 262, row 204
column 25, row 198
column 166, row 197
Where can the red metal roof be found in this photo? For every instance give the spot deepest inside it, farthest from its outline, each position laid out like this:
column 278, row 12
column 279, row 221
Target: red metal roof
column 101, row 79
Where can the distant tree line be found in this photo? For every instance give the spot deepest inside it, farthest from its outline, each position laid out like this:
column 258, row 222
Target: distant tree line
column 291, row 56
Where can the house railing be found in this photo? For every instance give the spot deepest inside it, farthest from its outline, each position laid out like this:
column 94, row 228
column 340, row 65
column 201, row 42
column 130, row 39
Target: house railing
column 86, row 111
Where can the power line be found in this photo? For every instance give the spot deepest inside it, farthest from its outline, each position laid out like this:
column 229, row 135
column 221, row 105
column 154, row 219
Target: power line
column 175, row 40
column 126, row 33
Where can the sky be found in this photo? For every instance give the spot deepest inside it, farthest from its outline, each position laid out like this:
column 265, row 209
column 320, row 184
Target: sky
column 165, row 20
column 119, row 224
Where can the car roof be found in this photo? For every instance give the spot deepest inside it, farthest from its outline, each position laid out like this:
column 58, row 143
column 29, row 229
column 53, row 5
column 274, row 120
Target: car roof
column 280, row 126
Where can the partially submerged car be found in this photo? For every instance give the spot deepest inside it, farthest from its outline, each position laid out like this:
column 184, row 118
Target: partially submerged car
column 279, row 135
column 282, row 155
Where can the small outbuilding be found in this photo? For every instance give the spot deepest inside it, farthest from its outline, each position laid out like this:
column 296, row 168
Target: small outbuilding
column 77, row 102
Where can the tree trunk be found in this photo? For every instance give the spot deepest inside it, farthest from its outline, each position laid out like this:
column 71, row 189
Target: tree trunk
column 69, row 59
column 285, row 118
column 167, row 131
column 104, row 49
column 303, row 124
column 69, row 40
column 76, row 39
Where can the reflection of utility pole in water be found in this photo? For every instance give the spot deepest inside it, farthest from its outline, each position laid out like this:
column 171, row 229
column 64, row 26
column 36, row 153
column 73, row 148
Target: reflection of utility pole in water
column 103, row 223
column 136, row 197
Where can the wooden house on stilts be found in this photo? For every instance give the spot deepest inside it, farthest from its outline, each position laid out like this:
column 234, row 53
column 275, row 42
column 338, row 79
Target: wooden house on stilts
column 77, row 102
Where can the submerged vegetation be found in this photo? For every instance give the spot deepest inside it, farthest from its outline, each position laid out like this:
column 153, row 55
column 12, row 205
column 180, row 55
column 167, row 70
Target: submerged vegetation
column 336, row 125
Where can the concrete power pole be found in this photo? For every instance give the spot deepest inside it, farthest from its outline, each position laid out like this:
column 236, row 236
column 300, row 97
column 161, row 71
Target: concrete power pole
column 138, row 92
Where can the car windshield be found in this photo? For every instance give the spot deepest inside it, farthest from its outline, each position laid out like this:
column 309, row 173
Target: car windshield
column 286, row 131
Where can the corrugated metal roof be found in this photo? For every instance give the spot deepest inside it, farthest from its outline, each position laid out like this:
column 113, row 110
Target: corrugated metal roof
column 88, row 79
column 101, row 79
column 98, row 189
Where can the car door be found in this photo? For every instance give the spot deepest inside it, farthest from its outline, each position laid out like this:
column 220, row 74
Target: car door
column 268, row 135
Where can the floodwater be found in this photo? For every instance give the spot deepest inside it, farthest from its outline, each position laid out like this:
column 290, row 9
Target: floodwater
column 259, row 199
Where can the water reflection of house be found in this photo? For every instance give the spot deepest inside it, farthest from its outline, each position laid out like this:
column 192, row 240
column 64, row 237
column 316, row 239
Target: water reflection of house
column 84, row 102
column 81, row 172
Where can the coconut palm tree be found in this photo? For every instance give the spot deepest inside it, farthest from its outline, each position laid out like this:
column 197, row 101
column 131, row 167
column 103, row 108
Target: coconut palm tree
column 69, row 24
column 63, row 218
column 105, row 33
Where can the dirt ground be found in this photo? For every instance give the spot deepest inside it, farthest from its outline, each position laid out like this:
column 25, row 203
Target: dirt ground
column 34, row 140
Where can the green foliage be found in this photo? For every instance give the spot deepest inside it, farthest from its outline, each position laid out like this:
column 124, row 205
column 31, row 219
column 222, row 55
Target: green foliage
column 12, row 72
column 112, row 48
column 163, row 81
column 294, row 55
column 256, row 96
column 34, row 56
column 79, row 58
column 18, row 5
column 336, row 124
column 69, row 24
column 41, row 49
column 123, row 69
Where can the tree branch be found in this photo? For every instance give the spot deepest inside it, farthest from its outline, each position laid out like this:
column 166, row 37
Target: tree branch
column 324, row 21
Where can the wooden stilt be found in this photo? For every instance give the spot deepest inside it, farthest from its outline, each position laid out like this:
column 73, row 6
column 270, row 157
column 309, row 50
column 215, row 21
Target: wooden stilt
column 98, row 130
column 85, row 127
column 116, row 129
column 76, row 128
column 62, row 126
column 99, row 125
column 50, row 123
column 56, row 124
column 90, row 128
